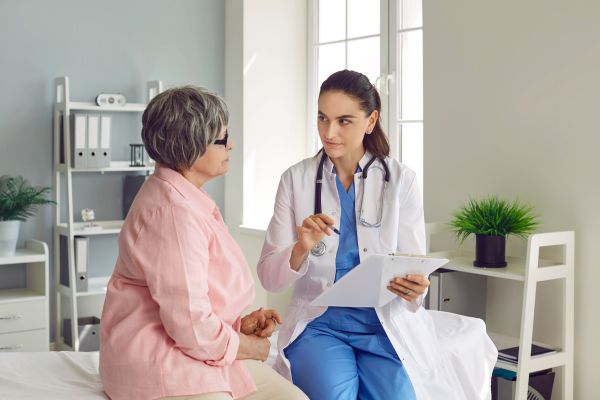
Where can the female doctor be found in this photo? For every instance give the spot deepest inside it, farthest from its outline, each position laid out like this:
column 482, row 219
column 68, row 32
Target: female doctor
column 333, row 210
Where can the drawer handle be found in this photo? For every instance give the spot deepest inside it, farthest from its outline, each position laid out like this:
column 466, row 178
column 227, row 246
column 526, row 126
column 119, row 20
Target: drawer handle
column 11, row 347
column 13, row 317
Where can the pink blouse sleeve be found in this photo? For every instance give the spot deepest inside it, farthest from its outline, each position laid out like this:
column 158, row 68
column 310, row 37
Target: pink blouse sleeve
column 173, row 251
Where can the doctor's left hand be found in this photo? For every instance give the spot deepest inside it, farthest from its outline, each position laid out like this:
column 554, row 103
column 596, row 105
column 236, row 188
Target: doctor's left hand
column 409, row 287
column 261, row 323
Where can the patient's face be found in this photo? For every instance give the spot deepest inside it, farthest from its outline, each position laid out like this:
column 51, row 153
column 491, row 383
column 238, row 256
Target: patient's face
column 215, row 160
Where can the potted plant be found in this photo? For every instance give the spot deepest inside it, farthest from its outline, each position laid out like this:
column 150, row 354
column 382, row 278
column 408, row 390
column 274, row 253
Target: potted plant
column 18, row 201
column 492, row 219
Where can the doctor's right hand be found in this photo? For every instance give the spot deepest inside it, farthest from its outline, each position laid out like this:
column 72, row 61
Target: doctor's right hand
column 312, row 231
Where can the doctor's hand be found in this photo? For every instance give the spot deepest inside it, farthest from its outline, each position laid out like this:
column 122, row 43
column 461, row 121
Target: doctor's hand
column 261, row 323
column 312, row 231
column 409, row 287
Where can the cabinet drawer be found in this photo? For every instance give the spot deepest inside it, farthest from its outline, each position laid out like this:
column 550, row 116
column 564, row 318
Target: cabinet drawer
column 36, row 340
column 22, row 316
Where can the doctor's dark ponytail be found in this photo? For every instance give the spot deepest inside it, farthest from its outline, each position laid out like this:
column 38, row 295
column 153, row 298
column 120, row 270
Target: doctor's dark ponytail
column 358, row 86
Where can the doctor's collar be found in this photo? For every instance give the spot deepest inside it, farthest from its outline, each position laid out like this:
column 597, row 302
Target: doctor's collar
column 330, row 167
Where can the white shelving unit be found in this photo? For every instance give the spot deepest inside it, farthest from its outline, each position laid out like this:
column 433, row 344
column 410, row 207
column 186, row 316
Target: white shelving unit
column 63, row 169
column 531, row 271
column 24, row 321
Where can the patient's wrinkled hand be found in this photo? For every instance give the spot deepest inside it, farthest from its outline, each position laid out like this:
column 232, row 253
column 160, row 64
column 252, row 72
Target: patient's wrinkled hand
column 253, row 348
column 260, row 323
column 409, row 287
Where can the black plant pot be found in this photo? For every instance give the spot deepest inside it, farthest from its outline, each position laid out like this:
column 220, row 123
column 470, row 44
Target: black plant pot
column 489, row 251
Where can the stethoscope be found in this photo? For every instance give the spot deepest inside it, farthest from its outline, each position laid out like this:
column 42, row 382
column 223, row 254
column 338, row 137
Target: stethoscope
column 320, row 248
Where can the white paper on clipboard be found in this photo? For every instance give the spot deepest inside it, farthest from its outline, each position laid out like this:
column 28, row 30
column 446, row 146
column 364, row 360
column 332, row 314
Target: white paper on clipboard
column 366, row 284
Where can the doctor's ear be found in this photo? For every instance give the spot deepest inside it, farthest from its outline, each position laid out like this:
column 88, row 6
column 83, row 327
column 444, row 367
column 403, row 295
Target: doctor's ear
column 373, row 118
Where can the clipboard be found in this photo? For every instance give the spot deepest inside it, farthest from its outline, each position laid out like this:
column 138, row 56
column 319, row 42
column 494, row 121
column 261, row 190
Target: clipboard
column 366, row 284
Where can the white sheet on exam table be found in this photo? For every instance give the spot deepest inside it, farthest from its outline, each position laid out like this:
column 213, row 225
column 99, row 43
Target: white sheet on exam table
column 59, row 375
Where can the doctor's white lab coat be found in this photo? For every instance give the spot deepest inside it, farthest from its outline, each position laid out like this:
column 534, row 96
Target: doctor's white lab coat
column 446, row 356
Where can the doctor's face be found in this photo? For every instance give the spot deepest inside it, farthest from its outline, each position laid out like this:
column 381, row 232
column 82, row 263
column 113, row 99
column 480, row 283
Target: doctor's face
column 343, row 124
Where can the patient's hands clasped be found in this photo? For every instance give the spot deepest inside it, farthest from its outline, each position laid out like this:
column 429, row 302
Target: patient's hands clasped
column 409, row 287
column 261, row 323
column 255, row 328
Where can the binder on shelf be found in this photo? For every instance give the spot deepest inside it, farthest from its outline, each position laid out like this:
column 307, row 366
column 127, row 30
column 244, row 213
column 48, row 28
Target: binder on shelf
column 105, row 155
column 64, row 262
column 457, row 292
column 61, row 139
column 511, row 355
column 88, row 329
column 78, row 141
column 93, row 127
column 82, row 245
column 131, row 185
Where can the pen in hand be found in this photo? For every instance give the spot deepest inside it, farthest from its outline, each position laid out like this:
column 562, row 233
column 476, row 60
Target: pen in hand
column 335, row 230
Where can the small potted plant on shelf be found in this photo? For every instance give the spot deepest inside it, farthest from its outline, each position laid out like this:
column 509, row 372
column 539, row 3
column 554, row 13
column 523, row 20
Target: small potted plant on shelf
column 18, row 201
column 491, row 219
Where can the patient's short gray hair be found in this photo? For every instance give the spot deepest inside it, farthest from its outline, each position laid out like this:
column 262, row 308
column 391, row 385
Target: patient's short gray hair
column 180, row 123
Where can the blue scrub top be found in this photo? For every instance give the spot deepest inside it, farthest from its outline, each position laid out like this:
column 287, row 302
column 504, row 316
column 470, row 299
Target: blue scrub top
column 348, row 319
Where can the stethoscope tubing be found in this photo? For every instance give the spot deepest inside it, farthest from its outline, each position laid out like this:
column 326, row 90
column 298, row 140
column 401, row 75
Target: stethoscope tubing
column 320, row 248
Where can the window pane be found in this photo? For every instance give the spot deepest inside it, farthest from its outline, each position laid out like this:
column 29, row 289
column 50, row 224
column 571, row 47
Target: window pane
column 411, row 14
column 332, row 20
column 410, row 102
column 363, row 18
column 363, row 56
column 332, row 58
column 412, row 148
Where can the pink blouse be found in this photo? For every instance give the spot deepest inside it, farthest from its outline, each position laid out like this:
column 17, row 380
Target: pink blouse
column 174, row 300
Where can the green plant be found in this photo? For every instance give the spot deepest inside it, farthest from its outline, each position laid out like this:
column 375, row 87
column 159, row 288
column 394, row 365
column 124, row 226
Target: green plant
column 18, row 199
column 493, row 216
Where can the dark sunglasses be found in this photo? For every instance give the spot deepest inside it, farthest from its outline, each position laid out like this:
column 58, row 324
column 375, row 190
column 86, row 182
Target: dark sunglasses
column 223, row 141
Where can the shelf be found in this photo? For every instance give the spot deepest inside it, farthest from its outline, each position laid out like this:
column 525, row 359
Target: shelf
column 515, row 270
column 115, row 166
column 96, row 286
column 89, row 106
column 108, row 228
column 504, row 342
column 59, row 345
column 23, row 256
column 22, row 294
column 531, row 270
column 88, row 302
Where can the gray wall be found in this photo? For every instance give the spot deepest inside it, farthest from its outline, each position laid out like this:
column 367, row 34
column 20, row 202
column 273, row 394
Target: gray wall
column 511, row 108
column 109, row 46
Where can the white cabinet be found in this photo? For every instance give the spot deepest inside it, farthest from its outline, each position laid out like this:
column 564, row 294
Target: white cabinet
column 530, row 271
column 71, row 303
column 24, row 324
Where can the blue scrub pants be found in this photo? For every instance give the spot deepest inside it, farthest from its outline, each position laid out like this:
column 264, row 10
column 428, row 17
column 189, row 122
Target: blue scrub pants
column 329, row 364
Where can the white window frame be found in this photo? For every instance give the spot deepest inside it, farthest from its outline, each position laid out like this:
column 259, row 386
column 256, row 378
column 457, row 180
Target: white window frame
column 391, row 88
column 313, row 142
column 386, row 84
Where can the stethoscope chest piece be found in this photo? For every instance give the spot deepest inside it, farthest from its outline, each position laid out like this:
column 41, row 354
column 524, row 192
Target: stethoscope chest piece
column 319, row 249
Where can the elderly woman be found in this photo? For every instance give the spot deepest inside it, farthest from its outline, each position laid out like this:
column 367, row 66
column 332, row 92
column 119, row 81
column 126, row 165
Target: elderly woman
column 171, row 322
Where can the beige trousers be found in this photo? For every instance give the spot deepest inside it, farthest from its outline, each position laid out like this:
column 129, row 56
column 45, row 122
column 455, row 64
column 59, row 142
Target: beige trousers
column 269, row 384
